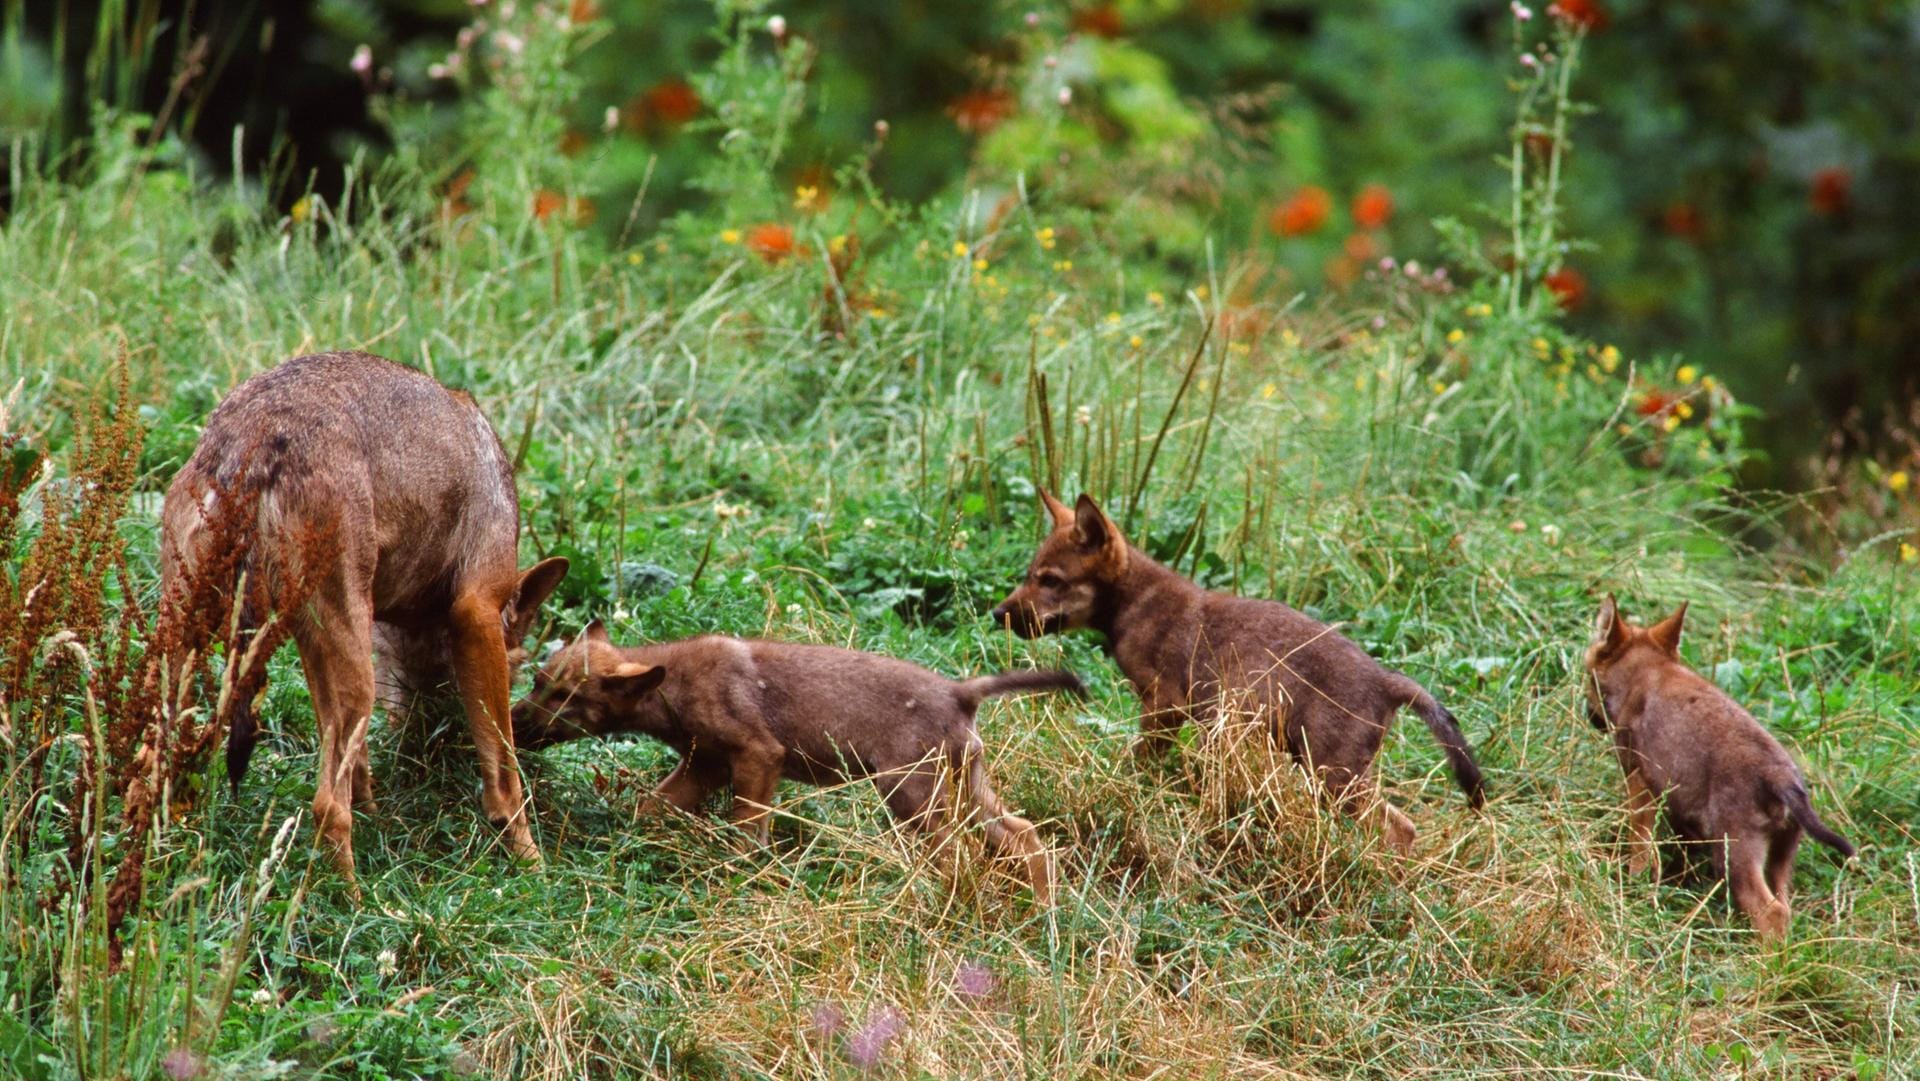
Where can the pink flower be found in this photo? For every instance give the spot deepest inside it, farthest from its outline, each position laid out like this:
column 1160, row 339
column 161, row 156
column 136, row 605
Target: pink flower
column 1033, row 18
column 182, row 1064
column 975, row 980
column 828, row 1019
column 777, row 26
column 362, row 62
column 1528, row 60
column 1521, row 12
column 868, row 1045
column 1066, row 95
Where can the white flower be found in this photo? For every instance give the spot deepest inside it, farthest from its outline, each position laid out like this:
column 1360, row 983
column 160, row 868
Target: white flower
column 777, row 26
column 388, row 962
column 1066, row 95
column 362, row 62
column 1528, row 60
column 509, row 42
column 1521, row 12
column 1033, row 18
column 261, row 996
column 612, row 119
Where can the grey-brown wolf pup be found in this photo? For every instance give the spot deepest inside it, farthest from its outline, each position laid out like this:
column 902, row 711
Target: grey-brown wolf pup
column 749, row 712
column 1190, row 652
column 1721, row 777
column 390, row 497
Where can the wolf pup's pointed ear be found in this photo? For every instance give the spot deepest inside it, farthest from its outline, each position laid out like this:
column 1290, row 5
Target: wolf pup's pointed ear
column 1061, row 514
column 634, row 679
column 595, row 631
column 537, row 583
column 1096, row 532
column 1610, row 626
column 1666, row 633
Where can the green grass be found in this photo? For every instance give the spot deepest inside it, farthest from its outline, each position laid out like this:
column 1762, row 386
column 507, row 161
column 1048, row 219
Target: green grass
column 712, row 460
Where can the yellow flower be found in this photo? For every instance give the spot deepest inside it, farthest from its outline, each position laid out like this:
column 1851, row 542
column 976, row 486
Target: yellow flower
column 1908, row 553
column 1200, row 291
column 1541, row 348
column 979, row 264
column 1480, row 311
column 1113, row 317
column 1359, row 383
column 1707, row 382
column 876, row 313
column 1439, row 386
column 1683, row 410
column 1046, row 238
column 1686, row 374
column 634, row 258
column 729, row 236
column 1672, row 422
column 302, row 209
column 1269, row 391
column 960, row 249
column 1136, row 342
column 806, row 197
column 1288, row 338
column 1623, row 429
column 1156, row 298
column 1897, row 481
column 1456, row 336
column 1063, row 265
column 837, row 244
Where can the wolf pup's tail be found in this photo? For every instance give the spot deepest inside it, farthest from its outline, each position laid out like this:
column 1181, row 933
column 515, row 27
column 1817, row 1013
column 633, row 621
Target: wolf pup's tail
column 974, row 691
column 1446, row 732
column 1795, row 797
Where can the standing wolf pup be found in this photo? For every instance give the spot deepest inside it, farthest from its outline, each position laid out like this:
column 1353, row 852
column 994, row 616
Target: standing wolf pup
column 1723, row 779
column 390, row 496
column 748, row 712
column 1190, row 652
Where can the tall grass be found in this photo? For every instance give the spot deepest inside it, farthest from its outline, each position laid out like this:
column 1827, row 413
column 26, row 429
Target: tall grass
column 721, row 442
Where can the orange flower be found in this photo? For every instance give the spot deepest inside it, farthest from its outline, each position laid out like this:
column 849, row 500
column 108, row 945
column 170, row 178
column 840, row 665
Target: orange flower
column 1539, row 144
column 977, row 112
column 1360, row 247
column 770, row 241
column 1373, row 206
column 583, row 11
column 1569, row 288
column 1585, row 14
column 547, row 203
column 1831, row 191
column 1682, row 219
column 666, row 104
column 456, row 203
column 1653, row 403
column 1101, row 21
column 1304, row 212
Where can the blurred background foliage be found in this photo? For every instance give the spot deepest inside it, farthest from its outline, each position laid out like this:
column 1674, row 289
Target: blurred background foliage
column 1741, row 189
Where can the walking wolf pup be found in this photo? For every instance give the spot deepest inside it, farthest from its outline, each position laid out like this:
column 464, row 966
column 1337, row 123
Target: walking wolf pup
column 1190, row 653
column 1722, row 778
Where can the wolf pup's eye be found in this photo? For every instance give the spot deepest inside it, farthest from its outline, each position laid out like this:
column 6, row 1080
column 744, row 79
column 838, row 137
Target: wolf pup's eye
column 1049, row 580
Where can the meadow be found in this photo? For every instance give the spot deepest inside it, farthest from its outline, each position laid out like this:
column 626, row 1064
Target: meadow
column 818, row 415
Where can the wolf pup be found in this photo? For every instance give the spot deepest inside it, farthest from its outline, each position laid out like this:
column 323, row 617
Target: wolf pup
column 390, row 497
column 1190, row 652
column 748, row 712
column 1721, row 777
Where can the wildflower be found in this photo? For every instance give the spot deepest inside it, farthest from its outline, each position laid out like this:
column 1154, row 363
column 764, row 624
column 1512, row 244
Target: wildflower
column 1479, row 311
column 1541, row 347
column 1908, row 553
column 1373, row 206
column 1550, row 533
column 1268, row 391
column 182, row 1064
column 1100, row 21
column 807, row 198
column 1083, row 415
column 1157, row 298
column 777, row 26
column 828, row 1018
column 1569, row 288
column 1136, row 342
column 877, row 313
column 1707, row 382
column 1113, row 317
column 866, row 1046
column 1686, row 375
column 729, row 236
column 1528, row 60
column 388, row 962
column 1581, row 14
column 1518, row 525
column 1304, row 212
column 960, row 249
column 1032, row 19
column 1521, row 12
column 509, row 42
column 301, row 210
column 1439, row 386
column 975, row 980
column 1681, row 219
column 770, row 241
column 261, row 996
column 1831, row 191
column 977, row 112
column 362, row 62
column 669, row 102
column 1388, row 264
column 1456, row 336
column 1672, row 422
column 547, row 203
column 1063, row 265
column 1045, row 236
column 1897, row 481
column 635, row 258
column 881, row 129
column 724, row 510
column 1683, row 409
column 1653, row 403
column 582, row 11
column 1065, row 96
column 1609, row 358
column 611, row 121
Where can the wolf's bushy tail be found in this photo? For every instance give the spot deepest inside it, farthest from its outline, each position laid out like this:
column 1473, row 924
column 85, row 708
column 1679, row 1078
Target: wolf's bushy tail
column 974, row 691
column 1795, row 797
column 1446, row 732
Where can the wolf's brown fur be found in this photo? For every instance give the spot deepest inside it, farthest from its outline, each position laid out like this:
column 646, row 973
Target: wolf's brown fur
column 749, row 712
column 1190, row 653
column 390, row 497
column 1685, row 746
